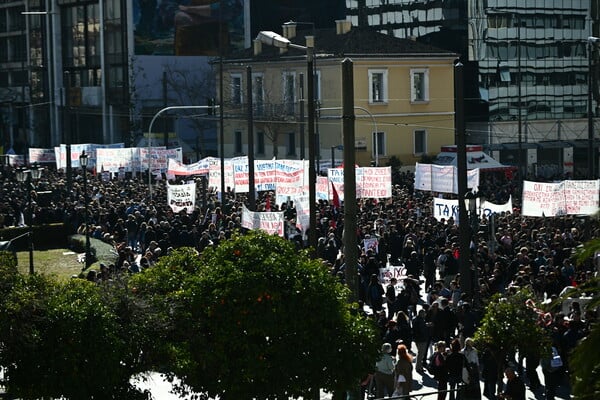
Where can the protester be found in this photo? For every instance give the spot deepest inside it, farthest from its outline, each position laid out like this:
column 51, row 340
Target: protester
column 384, row 372
column 404, row 368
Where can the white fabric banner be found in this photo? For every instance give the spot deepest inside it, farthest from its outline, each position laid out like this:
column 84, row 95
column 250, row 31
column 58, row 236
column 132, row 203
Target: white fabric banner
column 488, row 208
column 560, row 198
column 182, row 197
column 446, row 208
column 393, row 271
column 442, row 178
column 198, row 168
column 270, row 222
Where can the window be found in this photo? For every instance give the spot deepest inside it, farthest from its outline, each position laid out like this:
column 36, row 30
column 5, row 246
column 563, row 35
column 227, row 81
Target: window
column 260, row 143
column 317, row 79
column 377, row 86
column 289, row 92
column 258, row 95
column 236, row 89
column 291, row 144
column 419, row 85
column 378, row 144
column 237, row 145
column 420, row 140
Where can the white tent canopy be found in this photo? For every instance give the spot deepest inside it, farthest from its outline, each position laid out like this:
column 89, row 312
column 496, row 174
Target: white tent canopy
column 476, row 158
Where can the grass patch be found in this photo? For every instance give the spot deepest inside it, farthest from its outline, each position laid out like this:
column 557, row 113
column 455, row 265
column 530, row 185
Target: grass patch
column 63, row 263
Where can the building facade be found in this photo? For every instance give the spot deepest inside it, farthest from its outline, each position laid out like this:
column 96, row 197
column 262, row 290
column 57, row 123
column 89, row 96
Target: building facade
column 527, row 65
column 403, row 97
column 63, row 72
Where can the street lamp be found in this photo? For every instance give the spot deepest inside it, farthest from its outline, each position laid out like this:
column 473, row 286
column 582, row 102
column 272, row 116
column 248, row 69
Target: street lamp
column 274, row 39
column 27, row 176
column 591, row 153
column 83, row 161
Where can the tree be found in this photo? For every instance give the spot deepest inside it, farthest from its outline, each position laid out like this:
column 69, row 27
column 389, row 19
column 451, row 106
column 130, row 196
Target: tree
column 254, row 318
column 396, row 165
column 63, row 339
column 509, row 327
column 584, row 361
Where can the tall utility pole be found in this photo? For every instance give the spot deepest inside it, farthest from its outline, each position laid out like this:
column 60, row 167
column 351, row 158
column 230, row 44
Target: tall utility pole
column 350, row 206
column 464, row 230
column 251, row 185
column 592, row 152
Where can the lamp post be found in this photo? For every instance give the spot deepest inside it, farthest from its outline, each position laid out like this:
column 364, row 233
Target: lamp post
column 276, row 40
column 27, row 176
column 149, row 147
column 83, row 161
column 591, row 153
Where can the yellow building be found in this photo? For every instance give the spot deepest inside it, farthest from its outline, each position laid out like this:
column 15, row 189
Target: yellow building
column 403, row 97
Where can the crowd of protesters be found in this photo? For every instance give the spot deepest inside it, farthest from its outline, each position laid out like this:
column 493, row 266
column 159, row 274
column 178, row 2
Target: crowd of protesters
column 512, row 251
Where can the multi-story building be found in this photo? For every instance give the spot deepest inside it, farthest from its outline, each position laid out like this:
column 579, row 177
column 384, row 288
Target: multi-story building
column 63, row 72
column 98, row 70
column 403, row 96
column 526, row 71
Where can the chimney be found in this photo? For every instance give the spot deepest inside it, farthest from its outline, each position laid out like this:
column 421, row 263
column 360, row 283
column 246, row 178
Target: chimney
column 289, row 30
column 342, row 26
column 310, row 41
column 257, row 47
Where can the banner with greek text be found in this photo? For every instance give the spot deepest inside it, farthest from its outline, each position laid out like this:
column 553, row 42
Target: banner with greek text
column 201, row 167
column 112, row 160
column 442, row 178
column 270, row 222
column 41, row 156
column 393, row 271
column 182, row 197
column 560, row 198
column 446, row 208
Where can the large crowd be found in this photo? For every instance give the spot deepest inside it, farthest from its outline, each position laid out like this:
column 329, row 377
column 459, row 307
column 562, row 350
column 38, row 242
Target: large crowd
column 426, row 311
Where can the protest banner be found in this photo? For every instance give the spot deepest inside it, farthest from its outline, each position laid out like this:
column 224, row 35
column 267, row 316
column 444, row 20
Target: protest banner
column 448, row 208
column 181, row 197
column 201, row 167
column 371, row 244
column 375, row 183
column 442, row 178
column 41, row 156
column 270, row 222
column 393, row 271
column 569, row 197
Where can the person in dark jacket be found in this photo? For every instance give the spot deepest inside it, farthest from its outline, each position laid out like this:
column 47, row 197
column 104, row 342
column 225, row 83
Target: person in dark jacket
column 439, row 369
column 489, row 373
column 420, row 335
column 455, row 363
column 375, row 294
column 514, row 388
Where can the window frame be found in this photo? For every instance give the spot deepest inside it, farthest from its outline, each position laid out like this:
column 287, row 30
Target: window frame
column 423, row 139
column 380, row 136
column 258, row 92
column 238, row 146
column 413, row 95
column 290, row 143
column 237, row 98
column 383, row 98
column 288, row 103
